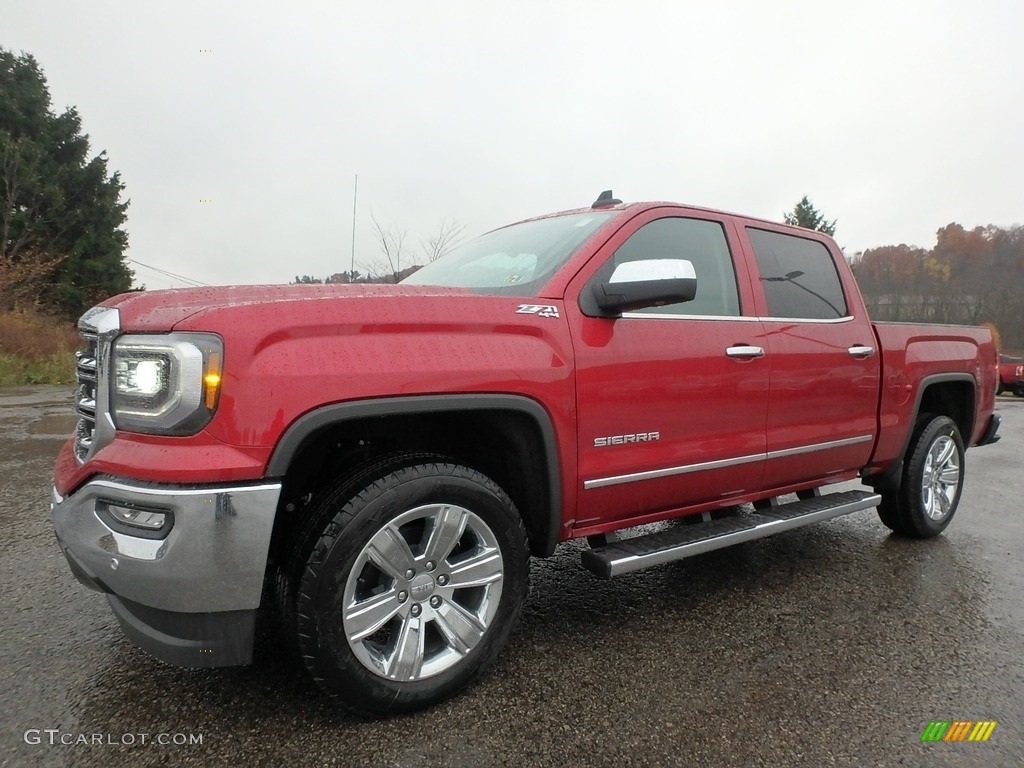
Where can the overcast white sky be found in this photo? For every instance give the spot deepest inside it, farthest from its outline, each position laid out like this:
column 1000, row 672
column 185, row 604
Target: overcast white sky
column 896, row 118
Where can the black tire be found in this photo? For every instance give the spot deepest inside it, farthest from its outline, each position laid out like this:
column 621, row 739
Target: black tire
column 300, row 543
column 461, row 609
column 927, row 500
column 889, row 512
column 1019, row 391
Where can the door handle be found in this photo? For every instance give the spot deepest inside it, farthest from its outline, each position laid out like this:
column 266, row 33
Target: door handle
column 861, row 352
column 744, row 352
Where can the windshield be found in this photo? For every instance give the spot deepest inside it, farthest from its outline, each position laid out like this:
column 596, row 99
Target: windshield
column 515, row 260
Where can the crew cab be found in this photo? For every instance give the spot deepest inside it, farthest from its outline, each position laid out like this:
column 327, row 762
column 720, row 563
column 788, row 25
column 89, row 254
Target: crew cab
column 1011, row 375
column 386, row 459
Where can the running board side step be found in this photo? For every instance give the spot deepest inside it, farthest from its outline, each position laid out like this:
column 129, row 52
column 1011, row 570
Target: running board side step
column 676, row 543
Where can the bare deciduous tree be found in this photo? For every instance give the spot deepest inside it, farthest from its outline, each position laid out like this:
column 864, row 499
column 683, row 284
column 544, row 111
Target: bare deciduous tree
column 392, row 245
column 396, row 258
column 449, row 234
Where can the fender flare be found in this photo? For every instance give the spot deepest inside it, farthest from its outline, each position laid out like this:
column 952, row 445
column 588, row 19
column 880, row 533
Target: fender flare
column 940, row 378
column 311, row 422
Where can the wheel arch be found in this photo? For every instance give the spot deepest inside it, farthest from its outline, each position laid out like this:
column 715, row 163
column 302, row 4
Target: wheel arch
column 509, row 438
column 943, row 394
column 946, row 394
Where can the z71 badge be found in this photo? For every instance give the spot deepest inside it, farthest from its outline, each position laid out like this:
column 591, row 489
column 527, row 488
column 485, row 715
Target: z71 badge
column 540, row 310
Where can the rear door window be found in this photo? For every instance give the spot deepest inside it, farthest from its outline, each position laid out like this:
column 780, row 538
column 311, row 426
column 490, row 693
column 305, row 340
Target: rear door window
column 799, row 276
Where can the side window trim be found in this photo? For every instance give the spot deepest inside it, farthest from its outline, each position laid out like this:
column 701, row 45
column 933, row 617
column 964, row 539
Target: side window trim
column 816, row 320
column 747, row 318
column 671, row 316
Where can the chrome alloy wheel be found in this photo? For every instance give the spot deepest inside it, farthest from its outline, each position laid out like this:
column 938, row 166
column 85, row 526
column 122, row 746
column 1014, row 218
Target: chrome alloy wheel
column 422, row 592
column 940, row 480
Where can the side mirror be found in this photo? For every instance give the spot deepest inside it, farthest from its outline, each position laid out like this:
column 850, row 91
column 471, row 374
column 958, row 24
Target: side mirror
column 650, row 283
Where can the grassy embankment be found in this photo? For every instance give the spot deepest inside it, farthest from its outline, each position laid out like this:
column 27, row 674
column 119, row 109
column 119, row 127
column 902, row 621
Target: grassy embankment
column 35, row 349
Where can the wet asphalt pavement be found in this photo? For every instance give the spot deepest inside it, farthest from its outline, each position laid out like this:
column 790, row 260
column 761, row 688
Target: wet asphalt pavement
column 829, row 645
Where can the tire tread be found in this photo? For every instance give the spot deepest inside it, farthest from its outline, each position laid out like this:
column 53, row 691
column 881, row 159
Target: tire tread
column 901, row 511
column 316, row 546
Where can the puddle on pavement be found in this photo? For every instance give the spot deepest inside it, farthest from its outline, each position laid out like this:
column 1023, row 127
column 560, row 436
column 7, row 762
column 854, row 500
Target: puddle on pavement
column 44, row 447
column 56, row 425
column 36, row 395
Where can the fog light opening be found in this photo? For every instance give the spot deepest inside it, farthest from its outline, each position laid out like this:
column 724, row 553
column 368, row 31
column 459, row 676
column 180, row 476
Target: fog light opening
column 135, row 519
column 149, row 519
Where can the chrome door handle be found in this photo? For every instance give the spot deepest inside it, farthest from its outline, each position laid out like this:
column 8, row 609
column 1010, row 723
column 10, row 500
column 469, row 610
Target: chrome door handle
column 744, row 352
column 861, row 352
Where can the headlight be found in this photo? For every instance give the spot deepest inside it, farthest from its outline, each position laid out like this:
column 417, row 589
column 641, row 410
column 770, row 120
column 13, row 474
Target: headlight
column 165, row 384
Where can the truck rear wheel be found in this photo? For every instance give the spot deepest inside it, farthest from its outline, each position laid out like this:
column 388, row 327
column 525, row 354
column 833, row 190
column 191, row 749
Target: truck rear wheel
column 412, row 588
column 932, row 481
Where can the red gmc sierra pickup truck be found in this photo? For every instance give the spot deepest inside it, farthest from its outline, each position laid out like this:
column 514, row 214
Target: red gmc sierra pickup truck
column 386, row 459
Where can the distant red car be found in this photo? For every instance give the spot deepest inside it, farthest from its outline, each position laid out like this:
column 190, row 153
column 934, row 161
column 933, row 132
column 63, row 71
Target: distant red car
column 1011, row 375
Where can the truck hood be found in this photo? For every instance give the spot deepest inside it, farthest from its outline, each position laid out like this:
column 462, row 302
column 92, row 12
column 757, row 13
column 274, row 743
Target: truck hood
column 161, row 311
column 289, row 350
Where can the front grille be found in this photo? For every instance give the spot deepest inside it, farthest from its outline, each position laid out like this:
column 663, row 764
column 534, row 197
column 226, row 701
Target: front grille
column 85, row 396
column 98, row 327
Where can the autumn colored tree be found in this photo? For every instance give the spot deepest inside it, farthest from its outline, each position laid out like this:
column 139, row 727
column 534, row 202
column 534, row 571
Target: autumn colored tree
column 973, row 276
column 890, row 278
column 996, row 336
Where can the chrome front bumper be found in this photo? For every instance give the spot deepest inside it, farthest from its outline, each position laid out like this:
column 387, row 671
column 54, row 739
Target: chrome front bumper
column 190, row 597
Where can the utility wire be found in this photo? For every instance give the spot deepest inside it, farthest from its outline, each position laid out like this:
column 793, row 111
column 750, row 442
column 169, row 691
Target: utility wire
column 168, row 273
column 174, row 275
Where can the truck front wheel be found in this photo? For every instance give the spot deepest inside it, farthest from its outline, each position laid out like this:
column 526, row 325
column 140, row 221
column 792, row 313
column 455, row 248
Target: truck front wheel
column 932, row 481
column 412, row 588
